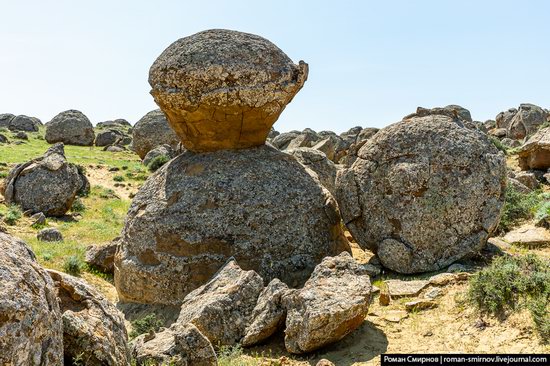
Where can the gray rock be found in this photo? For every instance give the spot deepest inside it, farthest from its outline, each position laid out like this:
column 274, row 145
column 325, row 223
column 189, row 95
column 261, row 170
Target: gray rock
column 498, row 132
column 38, row 219
column 535, row 152
column 3, row 139
column 5, row 119
column 518, row 186
column 258, row 205
column 362, row 137
column 180, row 345
column 221, row 309
column 71, row 127
column 332, row 303
column 46, row 184
column 102, row 256
column 160, row 150
column 423, row 193
column 504, row 119
column 508, row 142
column 333, row 147
column 283, row 140
column 49, row 234
column 31, row 330
column 93, row 328
column 526, row 121
column 24, row 123
column 528, row 179
column 151, row 131
column 223, row 89
column 114, row 148
column 21, row 136
column 307, row 138
column 269, row 314
column 462, row 112
column 108, row 137
column 399, row 288
column 119, row 122
column 324, row 169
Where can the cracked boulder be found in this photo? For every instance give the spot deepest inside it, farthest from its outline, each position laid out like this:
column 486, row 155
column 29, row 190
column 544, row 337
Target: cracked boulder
column 223, row 89
column 221, row 309
column 93, row 328
column 257, row 205
column 535, row 153
column 47, row 184
column 324, row 169
column 153, row 130
column 31, row 330
column 70, row 127
column 526, row 121
column 423, row 192
column 332, row 304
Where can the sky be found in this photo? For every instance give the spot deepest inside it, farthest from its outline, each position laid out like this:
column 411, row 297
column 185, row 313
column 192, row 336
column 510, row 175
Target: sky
column 371, row 62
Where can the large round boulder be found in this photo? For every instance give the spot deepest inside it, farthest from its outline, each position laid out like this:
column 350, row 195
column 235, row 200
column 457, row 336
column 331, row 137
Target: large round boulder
column 31, row 330
column 24, row 123
column 257, row 205
column 70, row 127
column 151, row 131
column 423, row 193
column 526, row 121
column 47, row 184
column 223, row 89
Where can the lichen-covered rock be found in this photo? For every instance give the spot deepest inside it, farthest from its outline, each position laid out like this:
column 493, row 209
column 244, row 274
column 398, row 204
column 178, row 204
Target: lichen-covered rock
column 282, row 140
column 3, row 139
column 268, row 314
column 24, row 123
column 324, row 169
column 5, row 119
column 151, row 131
column 535, row 152
column 108, row 137
column 332, row 303
column 71, row 127
column 102, row 256
column 333, row 147
column 31, row 330
column 504, row 119
column 423, row 193
column 46, row 184
column 356, row 144
column 223, row 89
column 179, row 345
column 526, row 121
column 221, row 308
column 49, row 234
column 258, row 205
column 93, row 328
column 161, row 150
column 117, row 123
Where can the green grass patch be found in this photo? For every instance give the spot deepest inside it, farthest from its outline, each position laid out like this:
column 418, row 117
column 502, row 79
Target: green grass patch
column 12, row 215
column 157, row 162
column 73, row 265
column 499, row 145
column 513, row 283
column 520, row 207
column 146, row 324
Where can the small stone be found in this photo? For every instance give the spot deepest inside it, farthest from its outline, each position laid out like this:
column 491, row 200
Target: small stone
column 324, row 362
column 38, row 219
column 49, row 234
column 395, row 316
column 384, row 299
column 442, row 279
column 421, row 304
column 457, row 267
column 433, row 293
column 529, row 236
column 102, row 256
column 399, row 288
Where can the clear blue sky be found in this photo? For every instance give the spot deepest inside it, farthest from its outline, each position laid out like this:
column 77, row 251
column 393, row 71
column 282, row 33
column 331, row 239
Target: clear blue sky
column 371, row 62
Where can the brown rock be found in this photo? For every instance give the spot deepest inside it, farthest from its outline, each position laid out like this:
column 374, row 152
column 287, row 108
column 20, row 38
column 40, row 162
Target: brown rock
column 529, row 236
column 535, row 153
column 223, row 89
column 102, row 256
column 399, row 288
column 324, row 362
column 420, row 304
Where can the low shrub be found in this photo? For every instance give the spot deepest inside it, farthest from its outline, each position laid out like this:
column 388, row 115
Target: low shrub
column 512, row 283
column 13, row 215
column 518, row 206
column 73, row 265
column 146, row 324
column 78, row 206
column 157, row 162
column 118, row 178
column 499, row 145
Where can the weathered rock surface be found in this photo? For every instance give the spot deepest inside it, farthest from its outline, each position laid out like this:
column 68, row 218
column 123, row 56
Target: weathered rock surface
column 3, row 139
column 222, row 308
column 423, row 193
column 526, row 121
column 529, row 236
column 38, row 219
column 117, row 123
column 5, row 119
column 332, row 303
column 46, row 184
column 71, row 127
column 504, row 119
column 399, row 288
column 49, row 234
column 223, row 89
column 528, row 179
column 420, row 304
column 324, row 169
column 180, row 345
column 24, row 123
column 258, row 205
column 151, row 131
column 93, row 328
column 102, row 256
column 160, row 150
column 108, row 137
column 31, row 330
column 268, row 315
column 535, row 152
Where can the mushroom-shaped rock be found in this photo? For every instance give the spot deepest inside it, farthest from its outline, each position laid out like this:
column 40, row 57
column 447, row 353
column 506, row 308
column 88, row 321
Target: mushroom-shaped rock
column 47, row 184
column 223, row 89
column 423, row 193
column 151, row 131
column 31, row 330
column 93, row 328
column 71, row 127
column 258, row 205
column 332, row 303
column 535, row 153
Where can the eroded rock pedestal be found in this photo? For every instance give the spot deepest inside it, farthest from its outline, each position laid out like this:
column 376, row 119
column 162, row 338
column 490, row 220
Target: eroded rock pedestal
column 223, row 89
